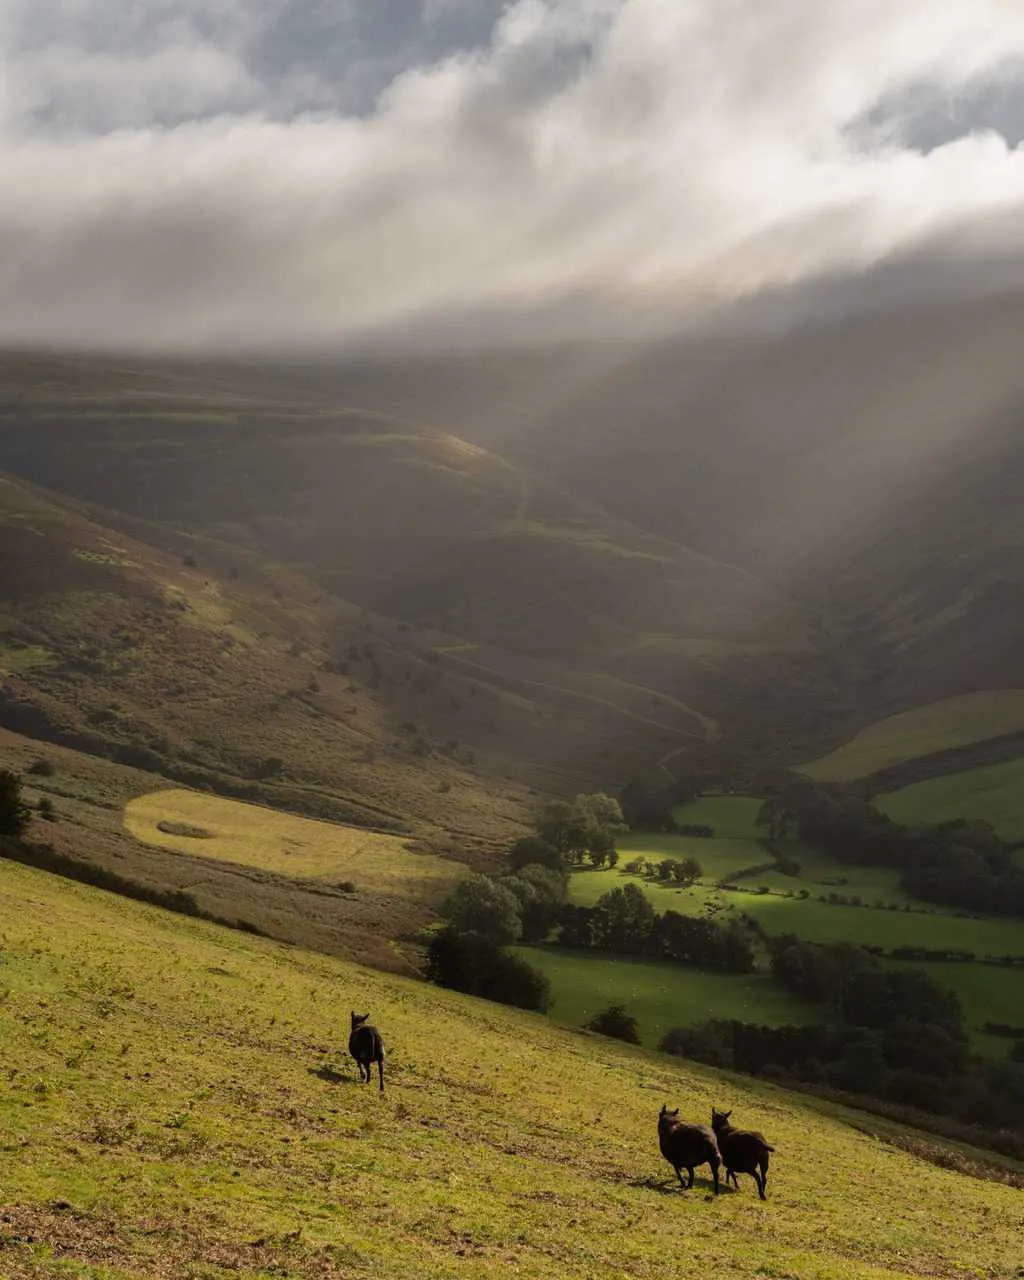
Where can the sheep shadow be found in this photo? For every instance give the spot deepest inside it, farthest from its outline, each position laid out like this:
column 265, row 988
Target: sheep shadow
column 328, row 1073
column 670, row 1186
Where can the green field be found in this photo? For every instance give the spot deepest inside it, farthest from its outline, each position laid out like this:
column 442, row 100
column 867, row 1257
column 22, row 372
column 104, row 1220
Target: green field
column 734, row 846
column 660, row 995
column 820, row 874
column 954, row 722
column 719, row 859
column 732, row 816
column 987, row 992
column 995, row 793
column 820, row 921
column 176, row 1103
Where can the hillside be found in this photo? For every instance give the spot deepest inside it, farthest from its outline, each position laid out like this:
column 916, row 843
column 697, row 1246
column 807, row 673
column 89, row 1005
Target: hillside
column 116, row 646
column 177, row 1103
column 551, row 602
column 869, row 465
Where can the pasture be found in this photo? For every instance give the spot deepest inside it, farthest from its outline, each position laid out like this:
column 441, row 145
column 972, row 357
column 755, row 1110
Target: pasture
column 176, row 1103
column 658, row 994
column 719, row 859
column 953, row 722
column 250, row 835
column 820, row 922
column 734, row 817
column 994, row 792
column 734, row 847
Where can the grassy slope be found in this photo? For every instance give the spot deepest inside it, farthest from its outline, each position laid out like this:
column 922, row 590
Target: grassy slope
column 954, row 722
column 90, row 795
column 162, row 1117
column 995, row 793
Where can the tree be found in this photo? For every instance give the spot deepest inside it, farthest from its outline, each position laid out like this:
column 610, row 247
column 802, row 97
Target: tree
column 540, row 913
column 647, row 801
column 481, row 905
column 615, row 1022
column 474, row 964
column 622, row 919
column 535, row 851
column 589, row 824
column 688, row 871
column 14, row 813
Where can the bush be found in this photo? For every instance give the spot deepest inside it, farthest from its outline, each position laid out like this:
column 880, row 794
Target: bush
column 44, row 767
column 14, row 813
column 476, row 965
column 46, row 810
column 615, row 1022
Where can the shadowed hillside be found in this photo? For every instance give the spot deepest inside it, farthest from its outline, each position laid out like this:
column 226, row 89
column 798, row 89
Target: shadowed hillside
column 649, row 645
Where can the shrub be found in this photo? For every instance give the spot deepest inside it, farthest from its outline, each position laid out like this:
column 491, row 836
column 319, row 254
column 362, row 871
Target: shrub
column 476, row 965
column 615, row 1022
column 14, row 813
column 44, row 767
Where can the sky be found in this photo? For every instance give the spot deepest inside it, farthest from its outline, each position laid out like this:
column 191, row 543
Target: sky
column 293, row 175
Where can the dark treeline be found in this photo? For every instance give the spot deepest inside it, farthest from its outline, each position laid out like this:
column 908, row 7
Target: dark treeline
column 961, row 863
column 624, row 921
column 892, row 1034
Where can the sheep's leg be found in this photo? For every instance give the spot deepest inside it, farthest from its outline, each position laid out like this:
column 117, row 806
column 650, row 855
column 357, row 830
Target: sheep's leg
column 691, row 1172
column 731, row 1173
column 679, row 1175
column 380, row 1069
column 762, row 1181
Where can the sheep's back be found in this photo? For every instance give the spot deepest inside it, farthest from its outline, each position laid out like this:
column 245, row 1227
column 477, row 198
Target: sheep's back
column 743, row 1147
column 365, row 1043
column 689, row 1144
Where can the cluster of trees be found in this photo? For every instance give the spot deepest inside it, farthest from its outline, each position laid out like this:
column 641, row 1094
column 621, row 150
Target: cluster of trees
column 894, row 1034
column 623, row 921
column 861, row 990
column 583, row 829
column 484, row 915
column 678, row 871
column 963, row 863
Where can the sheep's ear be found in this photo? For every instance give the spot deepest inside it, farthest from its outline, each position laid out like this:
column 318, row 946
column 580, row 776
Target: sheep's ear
column 726, row 1115
column 674, row 1113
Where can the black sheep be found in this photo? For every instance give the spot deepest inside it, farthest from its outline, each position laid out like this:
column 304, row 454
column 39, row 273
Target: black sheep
column 743, row 1151
column 685, row 1146
column 366, row 1046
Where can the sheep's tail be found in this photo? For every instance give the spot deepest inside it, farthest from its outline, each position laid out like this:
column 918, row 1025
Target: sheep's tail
column 768, row 1148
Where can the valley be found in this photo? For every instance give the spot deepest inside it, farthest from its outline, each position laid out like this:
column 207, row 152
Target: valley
column 296, row 662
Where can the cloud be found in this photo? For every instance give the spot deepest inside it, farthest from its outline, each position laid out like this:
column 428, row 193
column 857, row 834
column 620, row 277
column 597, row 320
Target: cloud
column 285, row 174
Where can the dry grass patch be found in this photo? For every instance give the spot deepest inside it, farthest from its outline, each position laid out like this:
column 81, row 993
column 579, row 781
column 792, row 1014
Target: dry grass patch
column 250, row 835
